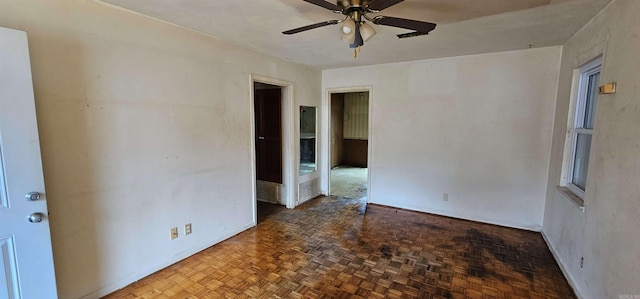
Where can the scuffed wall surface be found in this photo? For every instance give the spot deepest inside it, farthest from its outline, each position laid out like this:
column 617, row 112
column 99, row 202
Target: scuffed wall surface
column 144, row 126
column 476, row 127
column 607, row 233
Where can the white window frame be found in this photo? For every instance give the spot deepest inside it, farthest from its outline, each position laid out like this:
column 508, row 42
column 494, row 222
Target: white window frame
column 576, row 124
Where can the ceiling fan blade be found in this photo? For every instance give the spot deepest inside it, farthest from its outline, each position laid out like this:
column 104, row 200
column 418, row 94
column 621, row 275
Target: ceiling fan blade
column 325, row 4
column 412, row 34
column 419, row 26
column 382, row 4
column 312, row 26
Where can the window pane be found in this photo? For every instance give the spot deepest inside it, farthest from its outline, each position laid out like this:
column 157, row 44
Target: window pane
column 590, row 105
column 581, row 161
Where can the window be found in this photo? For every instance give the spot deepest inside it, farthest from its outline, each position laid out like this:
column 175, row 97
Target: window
column 581, row 130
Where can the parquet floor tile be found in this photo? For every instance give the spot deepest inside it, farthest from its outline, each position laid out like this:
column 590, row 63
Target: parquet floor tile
column 333, row 248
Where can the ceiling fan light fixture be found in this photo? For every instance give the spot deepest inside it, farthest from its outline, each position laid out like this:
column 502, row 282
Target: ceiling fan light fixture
column 354, row 30
column 348, row 31
column 367, row 31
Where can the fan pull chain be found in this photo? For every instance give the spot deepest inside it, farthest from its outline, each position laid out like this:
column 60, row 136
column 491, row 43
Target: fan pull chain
column 355, row 52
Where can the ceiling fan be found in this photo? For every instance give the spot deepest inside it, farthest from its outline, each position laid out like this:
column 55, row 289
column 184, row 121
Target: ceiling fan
column 355, row 31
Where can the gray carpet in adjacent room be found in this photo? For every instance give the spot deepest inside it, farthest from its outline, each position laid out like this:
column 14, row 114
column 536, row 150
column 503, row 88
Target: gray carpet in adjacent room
column 349, row 182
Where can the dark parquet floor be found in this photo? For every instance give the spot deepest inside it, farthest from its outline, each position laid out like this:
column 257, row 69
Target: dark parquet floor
column 331, row 248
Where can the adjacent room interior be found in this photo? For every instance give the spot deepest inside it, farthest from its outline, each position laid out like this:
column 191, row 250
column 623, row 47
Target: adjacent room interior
column 349, row 144
column 495, row 146
column 269, row 141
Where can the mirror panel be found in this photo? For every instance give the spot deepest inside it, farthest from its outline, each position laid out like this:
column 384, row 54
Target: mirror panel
column 307, row 140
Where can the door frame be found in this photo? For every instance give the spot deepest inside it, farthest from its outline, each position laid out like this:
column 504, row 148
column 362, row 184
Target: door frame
column 326, row 106
column 288, row 175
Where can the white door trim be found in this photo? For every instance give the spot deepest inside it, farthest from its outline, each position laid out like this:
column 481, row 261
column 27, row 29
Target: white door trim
column 288, row 166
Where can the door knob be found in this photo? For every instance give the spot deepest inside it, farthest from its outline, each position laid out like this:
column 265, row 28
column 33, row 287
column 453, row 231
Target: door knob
column 33, row 196
column 36, row 217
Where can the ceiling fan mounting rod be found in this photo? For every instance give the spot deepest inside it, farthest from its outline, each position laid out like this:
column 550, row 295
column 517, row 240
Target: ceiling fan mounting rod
column 356, row 16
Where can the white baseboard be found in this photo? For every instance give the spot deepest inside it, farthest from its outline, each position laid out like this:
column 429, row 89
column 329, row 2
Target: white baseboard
column 499, row 222
column 564, row 270
column 121, row 283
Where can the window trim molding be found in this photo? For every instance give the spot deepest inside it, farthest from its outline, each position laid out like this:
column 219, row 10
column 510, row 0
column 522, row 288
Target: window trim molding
column 571, row 196
column 577, row 107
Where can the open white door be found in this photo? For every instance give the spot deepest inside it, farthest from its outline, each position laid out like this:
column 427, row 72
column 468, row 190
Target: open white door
column 26, row 260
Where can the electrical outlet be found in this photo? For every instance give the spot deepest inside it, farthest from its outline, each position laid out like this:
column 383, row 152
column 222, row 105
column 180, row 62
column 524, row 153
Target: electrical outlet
column 174, row 233
column 187, row 229
column 445, row 196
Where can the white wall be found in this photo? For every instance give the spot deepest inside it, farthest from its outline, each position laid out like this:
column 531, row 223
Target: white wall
column 607, row 233
column 476, row 127
column 144, row 126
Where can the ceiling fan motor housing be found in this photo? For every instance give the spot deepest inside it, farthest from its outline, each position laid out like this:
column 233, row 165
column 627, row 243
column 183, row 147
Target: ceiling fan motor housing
column 348, row 4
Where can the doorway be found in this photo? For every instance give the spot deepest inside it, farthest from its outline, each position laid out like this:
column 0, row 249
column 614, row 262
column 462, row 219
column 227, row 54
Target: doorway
column 267, row 111
column 349, row 149
column 271, row 102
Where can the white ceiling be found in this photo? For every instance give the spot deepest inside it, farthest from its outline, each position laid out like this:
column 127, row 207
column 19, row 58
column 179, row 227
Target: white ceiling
column 464, row 27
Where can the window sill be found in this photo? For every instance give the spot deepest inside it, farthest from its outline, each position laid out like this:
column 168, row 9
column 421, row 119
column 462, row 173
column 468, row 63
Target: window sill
column 577, row 201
